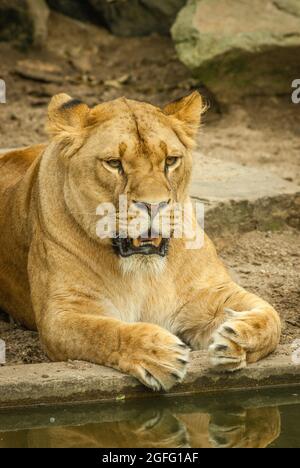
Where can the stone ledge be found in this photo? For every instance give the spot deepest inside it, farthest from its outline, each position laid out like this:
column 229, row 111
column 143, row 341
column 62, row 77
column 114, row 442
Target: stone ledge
column 240, row 199
column 75, row 382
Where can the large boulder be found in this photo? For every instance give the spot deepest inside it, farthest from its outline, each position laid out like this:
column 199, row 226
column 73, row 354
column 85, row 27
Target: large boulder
column 15, row 21
column 138, row 17
column 74, row 8
column 24, row 21
column 240, row 47
column 123, row 17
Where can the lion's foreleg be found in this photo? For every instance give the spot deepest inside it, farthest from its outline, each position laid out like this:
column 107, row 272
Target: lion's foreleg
column 150, row 353
column 250, row 331
column 238, row 327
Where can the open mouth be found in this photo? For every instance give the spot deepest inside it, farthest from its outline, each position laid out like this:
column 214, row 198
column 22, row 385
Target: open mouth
column 141, row 246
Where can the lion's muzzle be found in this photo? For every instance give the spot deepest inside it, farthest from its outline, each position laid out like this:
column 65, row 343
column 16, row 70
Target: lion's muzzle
column 150, row 241
column 141, row 246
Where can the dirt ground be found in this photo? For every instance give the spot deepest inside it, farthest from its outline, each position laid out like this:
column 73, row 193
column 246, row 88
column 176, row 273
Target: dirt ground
column 98, row 67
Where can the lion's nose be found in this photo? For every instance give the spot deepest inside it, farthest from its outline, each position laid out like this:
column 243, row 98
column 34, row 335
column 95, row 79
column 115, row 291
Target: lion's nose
column 152, row 208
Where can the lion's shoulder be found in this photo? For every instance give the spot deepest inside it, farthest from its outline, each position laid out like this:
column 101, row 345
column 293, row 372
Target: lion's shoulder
column 23, row 156
column 14, row 164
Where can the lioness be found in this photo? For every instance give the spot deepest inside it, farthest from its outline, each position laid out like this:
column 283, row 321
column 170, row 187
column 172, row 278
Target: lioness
column 131, row 304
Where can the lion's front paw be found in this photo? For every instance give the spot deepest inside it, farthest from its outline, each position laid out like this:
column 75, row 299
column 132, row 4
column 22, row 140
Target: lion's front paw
column 227, row 351
column 155, row 356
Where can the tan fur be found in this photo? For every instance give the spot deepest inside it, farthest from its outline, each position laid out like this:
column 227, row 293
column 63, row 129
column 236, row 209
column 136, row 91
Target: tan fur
column 57, row 276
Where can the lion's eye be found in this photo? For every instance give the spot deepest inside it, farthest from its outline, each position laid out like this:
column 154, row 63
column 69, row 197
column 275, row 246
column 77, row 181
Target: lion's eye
column 172, row 161
column 114, row 164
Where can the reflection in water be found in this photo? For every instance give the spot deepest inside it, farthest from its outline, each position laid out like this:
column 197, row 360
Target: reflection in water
column 159, row 428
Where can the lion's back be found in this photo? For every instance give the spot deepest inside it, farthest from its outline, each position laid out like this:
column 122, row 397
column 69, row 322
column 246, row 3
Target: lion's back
column 14, row 286
column 14, row 164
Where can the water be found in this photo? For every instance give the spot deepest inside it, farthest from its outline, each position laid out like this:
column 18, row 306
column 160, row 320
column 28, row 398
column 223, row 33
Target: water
column 257, row 419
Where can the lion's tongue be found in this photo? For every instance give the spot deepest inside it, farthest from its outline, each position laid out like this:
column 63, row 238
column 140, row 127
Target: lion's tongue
column 139, row 241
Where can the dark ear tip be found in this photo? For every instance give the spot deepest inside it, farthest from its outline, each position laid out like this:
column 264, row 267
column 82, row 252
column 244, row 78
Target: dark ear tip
column 71, row 104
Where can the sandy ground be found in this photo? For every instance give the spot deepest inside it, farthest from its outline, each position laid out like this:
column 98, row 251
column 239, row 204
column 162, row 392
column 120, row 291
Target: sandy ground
column 98, row 67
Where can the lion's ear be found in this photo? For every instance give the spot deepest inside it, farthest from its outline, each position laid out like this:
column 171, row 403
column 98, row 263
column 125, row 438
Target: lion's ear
column 66, row 115
column 188, row 110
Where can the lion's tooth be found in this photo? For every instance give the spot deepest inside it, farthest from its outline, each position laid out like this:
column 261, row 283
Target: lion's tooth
column 136, row 242
column 157, row 241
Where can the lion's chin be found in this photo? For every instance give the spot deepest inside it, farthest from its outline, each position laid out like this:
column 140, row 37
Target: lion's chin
column 152, row 265
column 141, row 246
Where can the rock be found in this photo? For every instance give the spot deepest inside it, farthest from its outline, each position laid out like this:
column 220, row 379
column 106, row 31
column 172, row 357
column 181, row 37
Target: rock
column 138, row 17
column 119, row 82
column 123, row 17
column 235, row 47
column 83, row 382
column 24, row 21
column 15, row 22
column 290, row 6
column 39, row 13
column 73, row 8
column 241, row 199
column 36, row 70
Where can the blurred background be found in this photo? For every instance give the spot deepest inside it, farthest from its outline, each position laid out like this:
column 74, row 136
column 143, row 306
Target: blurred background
column 243, row 55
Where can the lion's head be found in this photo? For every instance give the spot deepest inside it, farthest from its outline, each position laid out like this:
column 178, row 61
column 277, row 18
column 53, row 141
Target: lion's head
column 125, row 148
